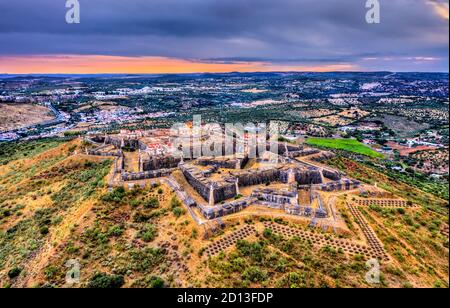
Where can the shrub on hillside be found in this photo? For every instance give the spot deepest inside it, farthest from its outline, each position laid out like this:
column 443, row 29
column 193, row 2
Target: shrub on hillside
column 153, row 203
column 14, row 272
column 178, row 211
column 105, row 281
column 156, row 282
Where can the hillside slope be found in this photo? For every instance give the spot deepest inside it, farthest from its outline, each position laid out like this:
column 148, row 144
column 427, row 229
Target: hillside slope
column 56, row 209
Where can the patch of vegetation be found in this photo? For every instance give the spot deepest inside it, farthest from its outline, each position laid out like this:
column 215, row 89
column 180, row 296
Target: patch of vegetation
column 11, row 151
column 145, row 260
column 176, row 207
column 156, row 282
column 437, row 187
column 349, row 145
column 105, row 281
column 390, row 182
column 153, row 203
column 178, row 211
column 14, row 272
column 148, row 233
column 116, row 196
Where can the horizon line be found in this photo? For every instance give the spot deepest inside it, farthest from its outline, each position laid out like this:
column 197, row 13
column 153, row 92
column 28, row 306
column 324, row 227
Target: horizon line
column 153, row 65
column 224, row 73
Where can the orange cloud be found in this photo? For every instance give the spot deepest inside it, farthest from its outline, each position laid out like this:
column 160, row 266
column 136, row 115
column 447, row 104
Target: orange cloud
column 76, row 64
column 441, row 9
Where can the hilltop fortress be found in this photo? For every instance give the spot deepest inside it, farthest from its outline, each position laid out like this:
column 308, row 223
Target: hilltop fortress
column 274, row 177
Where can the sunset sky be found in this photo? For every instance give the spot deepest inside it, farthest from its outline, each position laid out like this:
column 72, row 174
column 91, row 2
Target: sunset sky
column 188, row 36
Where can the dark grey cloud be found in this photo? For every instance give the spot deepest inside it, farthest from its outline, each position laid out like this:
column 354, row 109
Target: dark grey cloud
column 280, row 31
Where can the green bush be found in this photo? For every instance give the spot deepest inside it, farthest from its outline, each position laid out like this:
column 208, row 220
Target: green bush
column 14, row 272
column 267, row 233
column 146, row 260
column 115, row 231
column 401, row 211
column 254, row 250
column 153, row 203
column 116, row 195
column 408, row 220
column 156, row 282
column 149, row 233
column 140, row 217
column 44, row 230
column 254, row 274
column 178, row 211
column 105, row 281
column 96, row 236
column 50, row 272
column 175, row 203
column 5, row 213
column 135, row 203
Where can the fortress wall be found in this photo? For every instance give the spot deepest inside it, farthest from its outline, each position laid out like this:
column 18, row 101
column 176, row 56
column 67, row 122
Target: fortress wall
column 117, row 142
column 122, row 161
column 100, row 153
column 302, row 153
column 198, row 183
column 198, row 150
column 226, row 163
column 244, row 161
column 141, row 146
column 304, row 177
column 160, row 162
column 332, row 175
column 276, row 197
column 135, row 176
column 221, row 163
column 226, row 209
column 98, row 139
column 282, row 148
column 257, row 177
column 224, row 192
column 341, row 185
column 323, row 156
column 114, row 141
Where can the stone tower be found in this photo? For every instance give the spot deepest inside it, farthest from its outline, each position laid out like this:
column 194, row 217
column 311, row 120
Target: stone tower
column 291, row 176
column 211, row 195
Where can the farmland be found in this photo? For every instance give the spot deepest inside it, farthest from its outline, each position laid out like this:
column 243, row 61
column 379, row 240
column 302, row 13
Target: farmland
column 349, row 145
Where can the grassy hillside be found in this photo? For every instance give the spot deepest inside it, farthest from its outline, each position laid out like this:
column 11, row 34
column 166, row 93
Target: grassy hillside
column 10, row 151
column 55, row 207
column 40, row 198
column 349, row 145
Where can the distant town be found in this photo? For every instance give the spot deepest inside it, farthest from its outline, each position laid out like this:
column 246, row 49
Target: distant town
column 382, row 110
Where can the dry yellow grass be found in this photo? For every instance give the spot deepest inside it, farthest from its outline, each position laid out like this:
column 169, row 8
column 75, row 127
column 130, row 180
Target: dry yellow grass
column 14, row 116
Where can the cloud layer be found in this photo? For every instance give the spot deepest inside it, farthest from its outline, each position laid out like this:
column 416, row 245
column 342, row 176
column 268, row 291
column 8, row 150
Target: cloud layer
column 412, row 36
